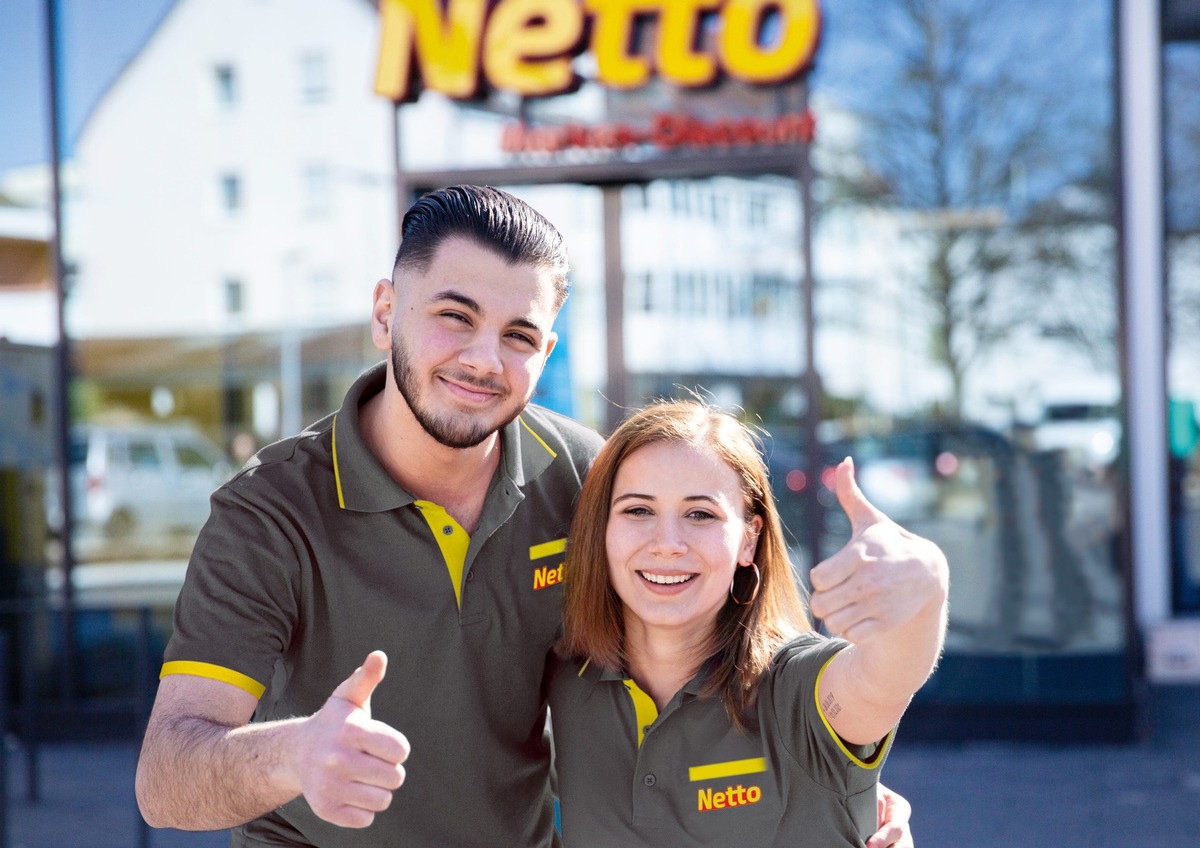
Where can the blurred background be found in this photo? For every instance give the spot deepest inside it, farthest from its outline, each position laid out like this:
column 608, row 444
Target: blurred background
column 969, row 257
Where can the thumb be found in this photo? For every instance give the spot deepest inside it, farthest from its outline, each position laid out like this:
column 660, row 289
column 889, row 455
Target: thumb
column 357, row 688
column 855, row 504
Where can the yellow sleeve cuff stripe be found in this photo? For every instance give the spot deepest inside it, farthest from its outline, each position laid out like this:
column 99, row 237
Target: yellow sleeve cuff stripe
column 876, row 758
column 733, row 768
column 214, row 672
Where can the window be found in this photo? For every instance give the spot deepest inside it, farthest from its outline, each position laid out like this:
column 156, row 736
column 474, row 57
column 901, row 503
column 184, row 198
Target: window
column 230, row 187
column 192, row 459
column 225, row 86
column 758, row 210
column 143, row 455
column 680, row 202
column 316, row 189
column 234, row 297
column 971, row 361
column 767, row 293
column 319, row 297
column 641, row 292
column 1181, row 160
column 314, row 78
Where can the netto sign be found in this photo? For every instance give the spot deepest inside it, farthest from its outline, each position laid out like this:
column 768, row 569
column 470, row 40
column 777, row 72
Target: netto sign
column 463, row 47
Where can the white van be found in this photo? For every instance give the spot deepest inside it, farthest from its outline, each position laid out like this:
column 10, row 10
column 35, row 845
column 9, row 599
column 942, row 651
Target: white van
column 139, row 489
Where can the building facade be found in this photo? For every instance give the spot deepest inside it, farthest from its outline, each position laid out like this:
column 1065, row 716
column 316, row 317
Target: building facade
column 960, row 281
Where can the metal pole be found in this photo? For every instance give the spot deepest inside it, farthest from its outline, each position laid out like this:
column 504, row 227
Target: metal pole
column 403, row 189
column 1140, row 91
column 62, row 362
column 810, row 381
column 144, row 696
column 29, row 706
column 5, row 666
column 614, row 307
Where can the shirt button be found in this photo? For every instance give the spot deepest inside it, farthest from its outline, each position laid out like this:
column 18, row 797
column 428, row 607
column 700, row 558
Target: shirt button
column 649, row 780
column 447, row 530
column 470, row 576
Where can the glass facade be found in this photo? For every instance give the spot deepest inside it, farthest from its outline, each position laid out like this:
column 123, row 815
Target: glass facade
column 1181, row 76
column 968, row 323
column 233, row 200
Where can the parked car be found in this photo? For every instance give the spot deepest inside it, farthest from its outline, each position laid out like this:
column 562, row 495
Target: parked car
column 907, row 471
column 138, row 490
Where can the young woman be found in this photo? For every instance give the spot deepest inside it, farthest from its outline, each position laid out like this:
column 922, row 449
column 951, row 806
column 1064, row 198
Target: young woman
column 692, row 703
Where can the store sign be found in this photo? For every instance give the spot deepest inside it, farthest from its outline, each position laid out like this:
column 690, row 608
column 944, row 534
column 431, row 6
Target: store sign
column 463, row 47
column 667, row 131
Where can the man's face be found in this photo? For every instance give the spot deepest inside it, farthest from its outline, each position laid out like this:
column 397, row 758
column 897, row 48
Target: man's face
column 469, row 338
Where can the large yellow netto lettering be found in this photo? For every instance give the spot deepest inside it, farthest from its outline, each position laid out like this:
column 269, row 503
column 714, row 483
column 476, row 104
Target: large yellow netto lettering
column 456, row 47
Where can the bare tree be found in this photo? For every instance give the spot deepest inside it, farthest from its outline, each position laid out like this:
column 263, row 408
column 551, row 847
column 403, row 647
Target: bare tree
column 986, row 127
column 1182, row 129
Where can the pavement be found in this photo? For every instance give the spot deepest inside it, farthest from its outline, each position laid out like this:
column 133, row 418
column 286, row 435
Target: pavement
column 965, row 795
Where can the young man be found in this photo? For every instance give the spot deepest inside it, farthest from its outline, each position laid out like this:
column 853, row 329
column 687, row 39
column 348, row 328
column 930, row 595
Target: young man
column 421, row 526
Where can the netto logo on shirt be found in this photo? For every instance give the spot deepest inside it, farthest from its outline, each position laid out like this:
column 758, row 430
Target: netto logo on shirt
column 547, row 575
column 734, row 796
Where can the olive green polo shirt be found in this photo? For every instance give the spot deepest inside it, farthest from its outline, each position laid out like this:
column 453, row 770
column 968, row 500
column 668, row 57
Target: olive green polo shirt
column 631, row 776
column 314, row 556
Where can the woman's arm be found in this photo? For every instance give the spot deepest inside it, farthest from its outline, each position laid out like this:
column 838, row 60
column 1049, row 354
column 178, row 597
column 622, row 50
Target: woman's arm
column 885, row 591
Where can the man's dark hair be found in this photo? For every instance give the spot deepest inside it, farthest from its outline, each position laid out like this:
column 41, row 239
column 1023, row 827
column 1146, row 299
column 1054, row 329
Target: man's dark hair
column 491, row 218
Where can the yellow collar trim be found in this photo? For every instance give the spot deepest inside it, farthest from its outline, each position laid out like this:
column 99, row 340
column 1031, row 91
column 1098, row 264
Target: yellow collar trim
column 643, row 707
column 337, row 477
column 541, row 442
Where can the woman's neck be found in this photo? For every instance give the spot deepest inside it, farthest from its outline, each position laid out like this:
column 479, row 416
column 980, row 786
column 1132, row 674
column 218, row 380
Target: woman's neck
column 662, row 662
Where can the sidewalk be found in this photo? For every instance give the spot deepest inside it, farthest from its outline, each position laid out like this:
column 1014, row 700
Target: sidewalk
column 987, row 795
column 86, row 801
column 975, row 795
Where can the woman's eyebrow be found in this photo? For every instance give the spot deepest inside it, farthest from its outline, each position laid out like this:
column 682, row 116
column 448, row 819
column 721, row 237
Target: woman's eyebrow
column 704, row 498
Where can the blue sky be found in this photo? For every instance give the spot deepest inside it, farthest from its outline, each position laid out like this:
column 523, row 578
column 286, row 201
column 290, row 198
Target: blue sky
column 96, row 38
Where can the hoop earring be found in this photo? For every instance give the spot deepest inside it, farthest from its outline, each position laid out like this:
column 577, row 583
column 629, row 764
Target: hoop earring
column 753, row 594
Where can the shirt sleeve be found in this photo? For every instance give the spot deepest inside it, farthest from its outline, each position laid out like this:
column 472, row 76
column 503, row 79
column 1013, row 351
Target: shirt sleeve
column 806, row 733
column 238, row 607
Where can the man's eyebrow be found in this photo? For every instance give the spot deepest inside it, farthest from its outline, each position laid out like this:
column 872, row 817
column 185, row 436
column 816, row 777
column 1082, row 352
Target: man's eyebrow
column 460, row 298
column 473, row 305
column 525, row 323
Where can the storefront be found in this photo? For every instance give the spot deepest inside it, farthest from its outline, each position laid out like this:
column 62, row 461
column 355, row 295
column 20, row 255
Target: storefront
column 879, row 229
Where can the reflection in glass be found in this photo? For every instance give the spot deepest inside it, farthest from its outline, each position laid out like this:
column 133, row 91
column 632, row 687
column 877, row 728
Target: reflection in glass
column 967, row 306
column 1182, row 161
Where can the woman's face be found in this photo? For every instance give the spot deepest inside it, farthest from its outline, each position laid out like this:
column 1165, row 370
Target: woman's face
column 676, row 532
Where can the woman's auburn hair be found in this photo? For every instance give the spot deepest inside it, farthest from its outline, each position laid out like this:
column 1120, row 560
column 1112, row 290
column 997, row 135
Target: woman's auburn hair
column 745, row 637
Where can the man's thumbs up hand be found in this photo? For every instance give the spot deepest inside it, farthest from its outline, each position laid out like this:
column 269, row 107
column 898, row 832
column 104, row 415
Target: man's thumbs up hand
column 357, row 688
column 882, row 578
column 349, row 764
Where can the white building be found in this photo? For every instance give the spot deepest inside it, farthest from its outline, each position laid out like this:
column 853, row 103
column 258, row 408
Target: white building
column 238, row 176
column 237, row 171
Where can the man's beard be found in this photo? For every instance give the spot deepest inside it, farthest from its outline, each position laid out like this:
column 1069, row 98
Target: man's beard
column 461, row 431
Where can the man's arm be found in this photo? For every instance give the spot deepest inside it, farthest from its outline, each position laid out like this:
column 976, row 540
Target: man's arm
column 204, row 767
column 886, row 592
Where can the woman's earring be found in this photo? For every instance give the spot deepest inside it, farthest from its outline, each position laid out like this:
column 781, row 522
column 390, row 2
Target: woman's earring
column 753, row 592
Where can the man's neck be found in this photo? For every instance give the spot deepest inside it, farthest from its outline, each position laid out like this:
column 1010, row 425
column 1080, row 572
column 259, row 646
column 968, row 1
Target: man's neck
column 456, row 479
